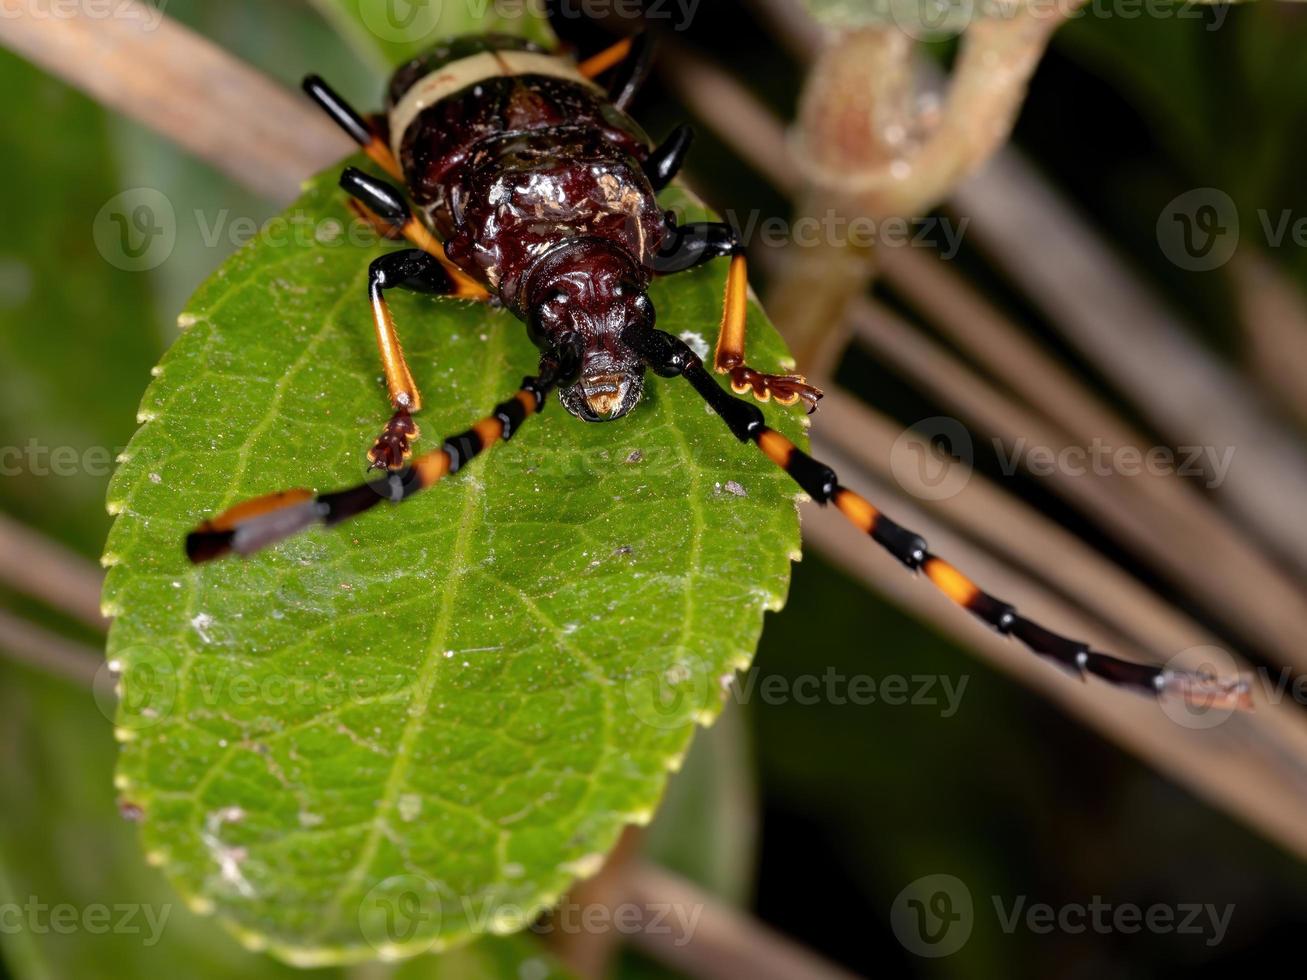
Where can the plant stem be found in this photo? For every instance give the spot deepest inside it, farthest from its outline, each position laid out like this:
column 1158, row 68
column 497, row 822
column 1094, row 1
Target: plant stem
column 35, row 565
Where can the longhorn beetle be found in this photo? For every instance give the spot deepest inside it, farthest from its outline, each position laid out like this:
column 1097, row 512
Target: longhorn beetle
column 536, row 191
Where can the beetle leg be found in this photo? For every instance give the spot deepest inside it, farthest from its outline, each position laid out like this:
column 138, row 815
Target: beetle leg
column 387, row 202
column 257, row 523
column 692, row 244
column 384, row 201
column 347, row 118
column 671, row 357
column 729, row 356
column 414, row 270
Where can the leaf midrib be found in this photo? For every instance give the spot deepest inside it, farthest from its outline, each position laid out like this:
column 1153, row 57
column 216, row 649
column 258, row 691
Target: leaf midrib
column 468, row 521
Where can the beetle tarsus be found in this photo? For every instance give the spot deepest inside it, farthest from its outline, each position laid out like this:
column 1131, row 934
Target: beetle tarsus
column 787, row 389
column 395, row 444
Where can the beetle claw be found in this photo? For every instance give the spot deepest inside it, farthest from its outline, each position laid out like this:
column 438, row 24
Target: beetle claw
column 394, row 446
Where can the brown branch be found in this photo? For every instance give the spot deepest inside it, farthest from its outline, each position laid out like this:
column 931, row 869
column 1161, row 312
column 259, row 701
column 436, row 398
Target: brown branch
column 33, row 646
column 161, row 74
column 866, row 138
column 40, row 567
column 724, row 943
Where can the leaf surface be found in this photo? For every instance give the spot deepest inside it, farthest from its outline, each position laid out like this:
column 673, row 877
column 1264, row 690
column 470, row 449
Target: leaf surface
column 425, row 724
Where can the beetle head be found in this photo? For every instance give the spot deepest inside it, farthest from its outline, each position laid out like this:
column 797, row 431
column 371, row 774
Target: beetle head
column 595, row 292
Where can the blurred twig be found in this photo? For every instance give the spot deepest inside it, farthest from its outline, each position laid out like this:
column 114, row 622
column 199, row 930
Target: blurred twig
column 149, row 67
column 1274, row 314
column 589, row 953
column 35, row 565
column 1116, row 321
column 48, row 652
column 725, row 944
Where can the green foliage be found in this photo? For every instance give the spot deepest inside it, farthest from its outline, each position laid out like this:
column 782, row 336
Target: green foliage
column 441, row 713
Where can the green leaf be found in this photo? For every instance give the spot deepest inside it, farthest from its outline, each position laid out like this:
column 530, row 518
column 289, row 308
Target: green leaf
column 390, row 32
column 425, row 724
